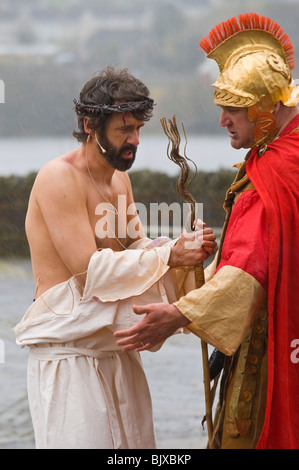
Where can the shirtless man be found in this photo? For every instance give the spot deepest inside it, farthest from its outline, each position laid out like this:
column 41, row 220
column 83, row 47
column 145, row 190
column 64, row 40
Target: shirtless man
column 98, row 272
column 61, row 212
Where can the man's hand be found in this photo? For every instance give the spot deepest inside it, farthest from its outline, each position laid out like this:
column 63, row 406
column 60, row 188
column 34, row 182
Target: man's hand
column 193, row 248
column 160, row 322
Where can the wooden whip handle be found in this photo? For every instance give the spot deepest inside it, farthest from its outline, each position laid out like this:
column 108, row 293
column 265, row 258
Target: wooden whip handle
column 199, row 275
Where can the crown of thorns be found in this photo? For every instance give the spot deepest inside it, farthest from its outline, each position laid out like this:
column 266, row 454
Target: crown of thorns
column 129, row 107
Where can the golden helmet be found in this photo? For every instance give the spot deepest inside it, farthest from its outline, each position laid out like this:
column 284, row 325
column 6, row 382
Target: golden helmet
column 255, row 58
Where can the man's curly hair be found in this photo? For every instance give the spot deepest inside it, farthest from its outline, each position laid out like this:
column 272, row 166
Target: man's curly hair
column 111, row 91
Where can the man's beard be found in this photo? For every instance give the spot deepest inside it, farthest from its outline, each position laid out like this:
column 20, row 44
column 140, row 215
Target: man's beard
column 114, row 157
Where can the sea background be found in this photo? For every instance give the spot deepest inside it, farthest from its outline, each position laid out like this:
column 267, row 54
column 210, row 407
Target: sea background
column 174, row 373
column 210, row 153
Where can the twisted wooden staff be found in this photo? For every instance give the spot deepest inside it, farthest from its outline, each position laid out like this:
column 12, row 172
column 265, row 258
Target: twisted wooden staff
column 171, row 131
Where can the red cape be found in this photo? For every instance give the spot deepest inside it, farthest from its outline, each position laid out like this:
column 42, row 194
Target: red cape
column 275, row 175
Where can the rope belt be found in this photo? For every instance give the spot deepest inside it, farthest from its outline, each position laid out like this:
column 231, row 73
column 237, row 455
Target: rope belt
column 57, row 353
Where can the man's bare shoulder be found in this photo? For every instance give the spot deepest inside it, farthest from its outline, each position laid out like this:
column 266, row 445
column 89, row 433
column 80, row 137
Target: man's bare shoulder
column 61, row 174
column 63, row 169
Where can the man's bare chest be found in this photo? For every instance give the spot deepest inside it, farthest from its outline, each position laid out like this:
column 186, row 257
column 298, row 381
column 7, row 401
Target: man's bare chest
column 108, row 220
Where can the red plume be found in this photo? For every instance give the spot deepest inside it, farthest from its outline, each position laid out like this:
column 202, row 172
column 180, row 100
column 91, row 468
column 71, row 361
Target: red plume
column 248, row 21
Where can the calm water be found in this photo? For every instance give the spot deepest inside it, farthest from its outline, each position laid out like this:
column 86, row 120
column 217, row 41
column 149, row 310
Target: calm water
column 20, row 156
column 174, row 375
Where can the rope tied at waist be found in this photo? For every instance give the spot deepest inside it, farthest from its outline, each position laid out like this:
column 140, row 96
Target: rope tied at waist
column 57, row 353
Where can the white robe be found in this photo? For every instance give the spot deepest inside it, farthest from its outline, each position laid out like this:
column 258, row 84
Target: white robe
column 83, row 391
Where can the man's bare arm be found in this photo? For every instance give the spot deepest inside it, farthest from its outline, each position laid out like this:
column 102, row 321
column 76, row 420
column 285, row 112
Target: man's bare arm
column 62, row 202
column 193, row 248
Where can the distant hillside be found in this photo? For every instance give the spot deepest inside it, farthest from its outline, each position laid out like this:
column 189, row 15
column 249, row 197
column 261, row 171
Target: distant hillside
column 49, row 49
